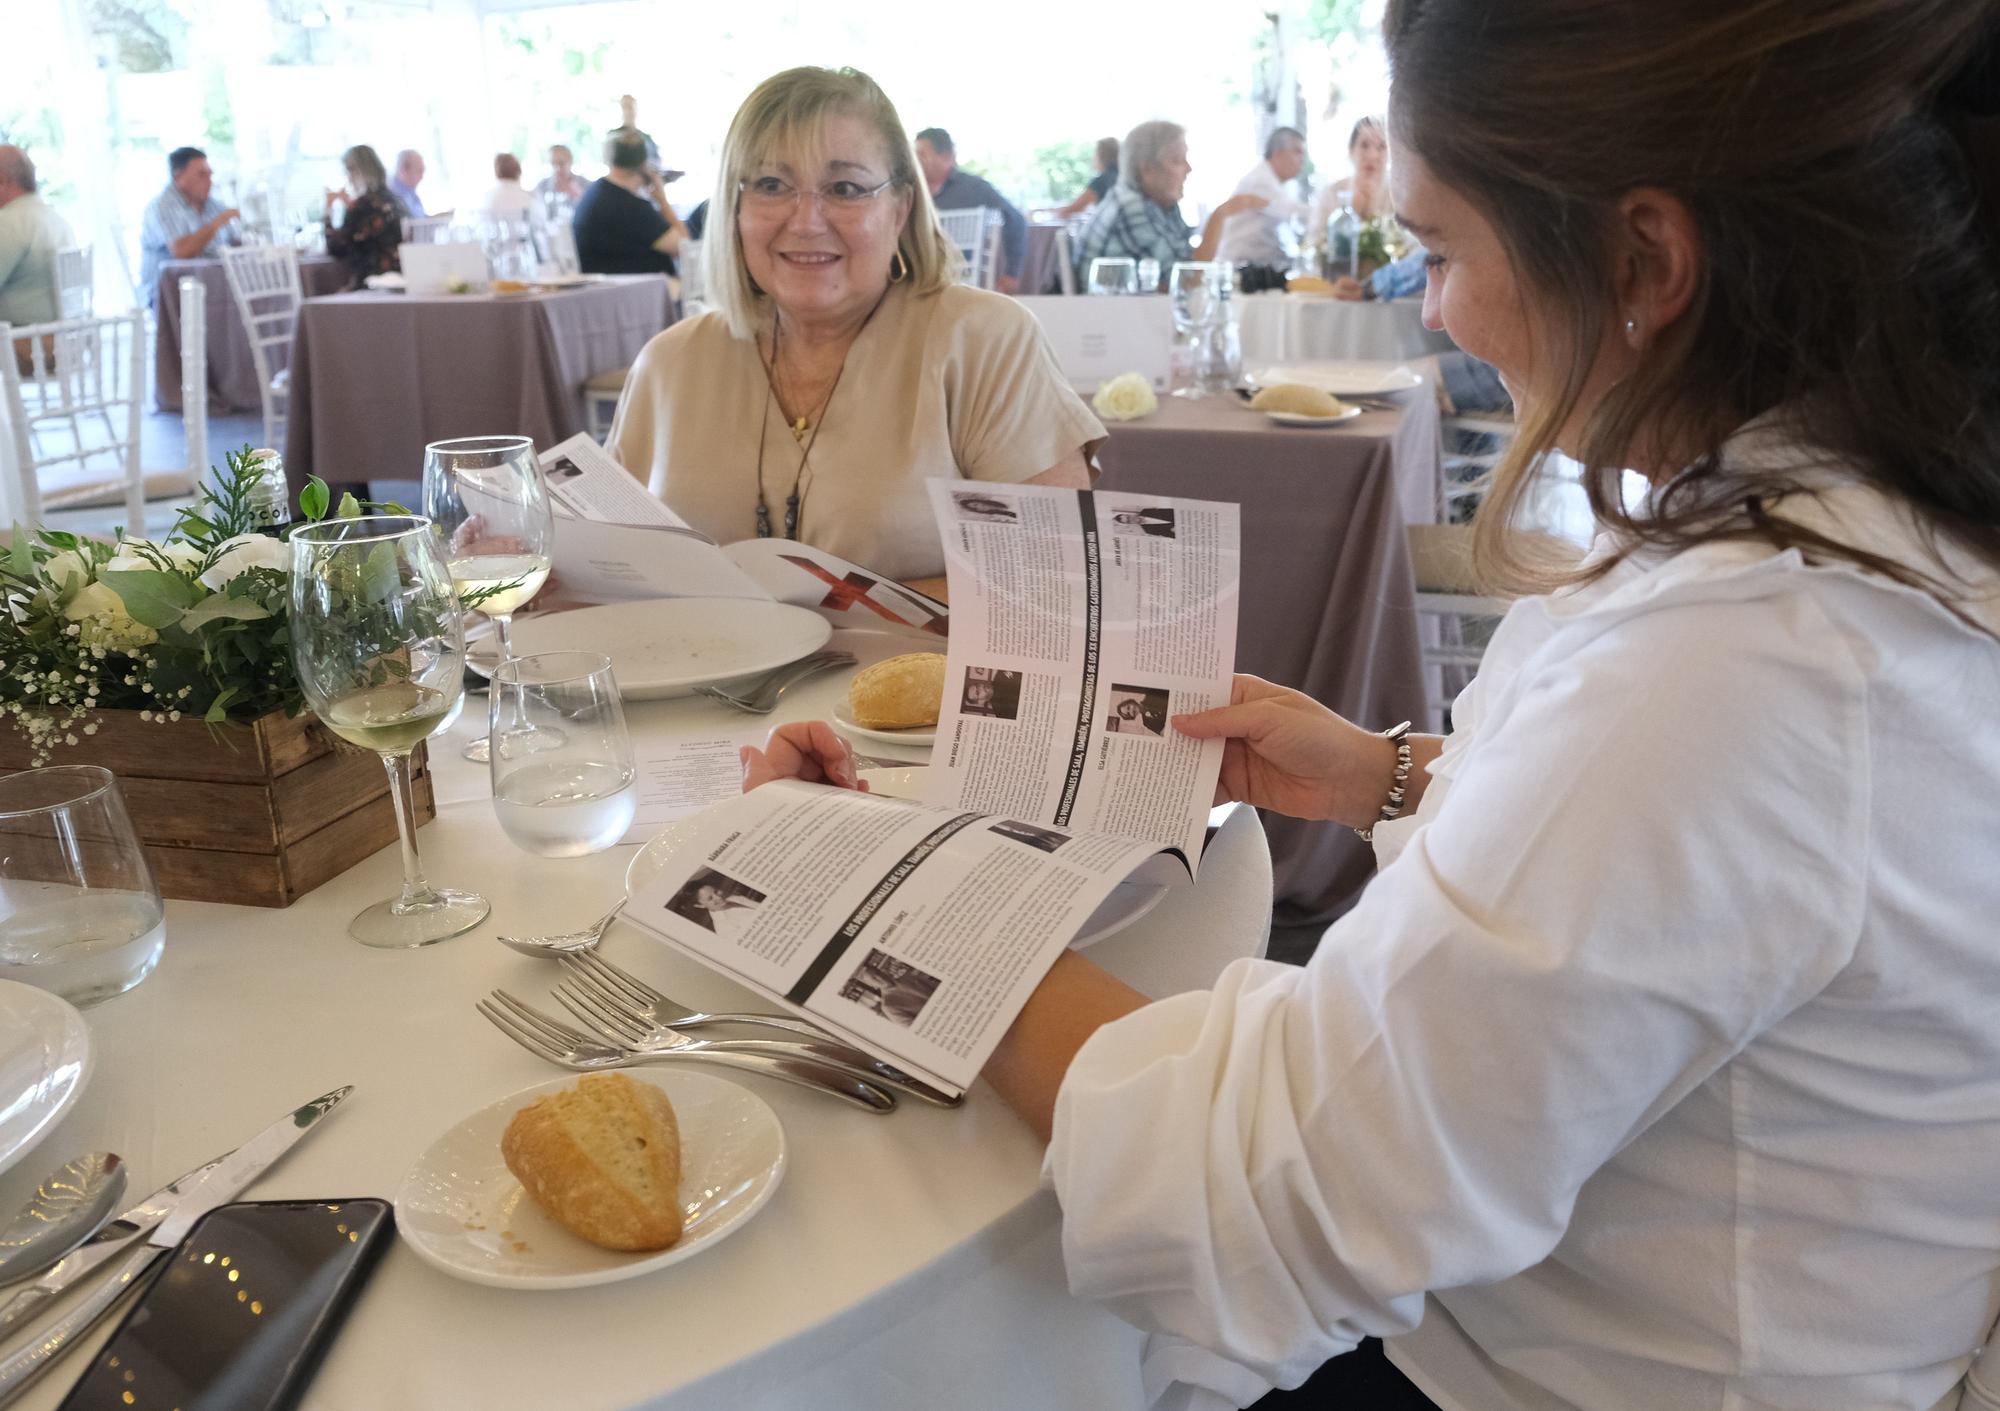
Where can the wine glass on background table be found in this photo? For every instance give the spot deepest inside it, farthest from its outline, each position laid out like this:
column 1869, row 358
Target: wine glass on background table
column 486, row 497
column 378, row 640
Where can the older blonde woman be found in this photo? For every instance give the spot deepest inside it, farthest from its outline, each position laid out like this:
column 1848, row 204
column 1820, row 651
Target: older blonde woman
column 840, row 367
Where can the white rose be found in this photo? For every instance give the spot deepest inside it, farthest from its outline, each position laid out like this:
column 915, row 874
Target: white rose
column 240, row 555
column 66, row 567
column 105, row 621
column 1125, row 397
column 178, row 553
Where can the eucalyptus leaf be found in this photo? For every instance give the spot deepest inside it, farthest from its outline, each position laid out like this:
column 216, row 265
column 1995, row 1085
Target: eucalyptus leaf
column 151, row 597
column 220, row 608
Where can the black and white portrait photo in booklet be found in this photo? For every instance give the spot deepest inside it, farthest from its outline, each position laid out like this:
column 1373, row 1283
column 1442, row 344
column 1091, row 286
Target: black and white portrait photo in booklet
column 1047, row 839
column 721, row 904
column 1136, row 710
column 990, row 691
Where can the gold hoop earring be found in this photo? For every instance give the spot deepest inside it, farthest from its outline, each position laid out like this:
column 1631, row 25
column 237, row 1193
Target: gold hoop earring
column 899, row 268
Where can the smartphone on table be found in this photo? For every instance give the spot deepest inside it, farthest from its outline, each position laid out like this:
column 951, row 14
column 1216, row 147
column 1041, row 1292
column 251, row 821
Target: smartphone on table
column 239, row 1315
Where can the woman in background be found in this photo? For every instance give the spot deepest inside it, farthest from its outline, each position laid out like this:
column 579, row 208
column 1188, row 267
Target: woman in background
column 1105, row 162
column 370, row 231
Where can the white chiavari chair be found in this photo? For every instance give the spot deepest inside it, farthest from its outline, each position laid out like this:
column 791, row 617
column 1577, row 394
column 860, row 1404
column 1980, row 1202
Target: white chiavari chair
column 72, row 391
column 974, row 232
column 426, row 230
column 73, row 281
column 264, row 282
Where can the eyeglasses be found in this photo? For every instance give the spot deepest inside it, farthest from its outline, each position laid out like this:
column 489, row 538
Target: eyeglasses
column 768, row 195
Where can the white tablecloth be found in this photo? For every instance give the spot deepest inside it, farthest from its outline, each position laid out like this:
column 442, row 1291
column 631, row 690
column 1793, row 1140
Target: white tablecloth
column 1282, row 328
column 907, row 1262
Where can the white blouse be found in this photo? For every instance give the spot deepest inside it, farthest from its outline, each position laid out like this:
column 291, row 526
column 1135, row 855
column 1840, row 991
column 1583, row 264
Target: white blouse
column 1659, row 1066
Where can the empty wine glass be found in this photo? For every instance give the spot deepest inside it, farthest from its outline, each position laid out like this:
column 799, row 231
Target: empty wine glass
column 485, row 496
column 577, row 797
column 1112, row 275
column 378, row 640
column 1146, row 278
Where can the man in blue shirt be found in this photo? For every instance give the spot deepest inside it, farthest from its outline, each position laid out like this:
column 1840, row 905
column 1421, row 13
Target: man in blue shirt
column 955, row 190
column 403, row 183
column 184, row 220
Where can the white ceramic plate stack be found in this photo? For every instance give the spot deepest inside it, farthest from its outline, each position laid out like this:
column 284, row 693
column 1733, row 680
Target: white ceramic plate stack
column 669, row 646
column 44, row 1063
column 463, row 1211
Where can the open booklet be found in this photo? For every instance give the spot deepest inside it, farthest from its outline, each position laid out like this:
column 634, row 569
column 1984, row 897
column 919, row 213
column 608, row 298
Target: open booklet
column 615, row 542
column 917, row 931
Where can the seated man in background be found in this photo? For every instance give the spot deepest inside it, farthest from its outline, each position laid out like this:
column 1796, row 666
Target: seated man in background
column 30, row 235
column 1250, row 238
column 184, row 220
column 624, row 223
column 403, row 184
column 956, row 190
column 562, row 181
column 1141, row 218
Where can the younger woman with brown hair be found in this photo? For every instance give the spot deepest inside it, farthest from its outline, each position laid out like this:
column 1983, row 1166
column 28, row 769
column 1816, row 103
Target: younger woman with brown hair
column 1658, row 1068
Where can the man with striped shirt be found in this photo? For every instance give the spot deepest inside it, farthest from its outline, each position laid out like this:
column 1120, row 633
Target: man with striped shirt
column 184, row 220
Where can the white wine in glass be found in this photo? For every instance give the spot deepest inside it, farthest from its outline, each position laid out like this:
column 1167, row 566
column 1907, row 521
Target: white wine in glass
column 378, row 640
column 491, row 510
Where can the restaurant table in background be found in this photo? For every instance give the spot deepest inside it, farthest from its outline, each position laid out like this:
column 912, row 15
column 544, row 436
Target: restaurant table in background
column 1328, row 599
column 232, row 372
column 1290, row 328
column 377, row 376
column 905, row 1261
column 1038, row 266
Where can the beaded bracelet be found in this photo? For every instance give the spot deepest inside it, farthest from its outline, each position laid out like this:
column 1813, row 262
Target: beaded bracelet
column 1400, row 737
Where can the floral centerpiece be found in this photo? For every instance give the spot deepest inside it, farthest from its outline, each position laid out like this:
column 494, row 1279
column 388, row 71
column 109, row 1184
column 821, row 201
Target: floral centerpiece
column 193, row 624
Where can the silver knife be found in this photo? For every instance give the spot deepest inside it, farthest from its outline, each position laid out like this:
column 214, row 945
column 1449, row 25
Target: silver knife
column 106, row 1244
column 218, row 1183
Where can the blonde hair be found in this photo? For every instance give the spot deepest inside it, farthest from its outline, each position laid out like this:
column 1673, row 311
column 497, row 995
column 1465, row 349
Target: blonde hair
column 788, row 112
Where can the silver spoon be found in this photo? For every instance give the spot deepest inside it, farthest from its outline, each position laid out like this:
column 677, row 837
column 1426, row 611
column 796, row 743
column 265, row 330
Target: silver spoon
column 564, row 942
column 69, row 1206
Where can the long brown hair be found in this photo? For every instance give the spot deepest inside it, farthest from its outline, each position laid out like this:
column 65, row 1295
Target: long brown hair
column 1849, row 284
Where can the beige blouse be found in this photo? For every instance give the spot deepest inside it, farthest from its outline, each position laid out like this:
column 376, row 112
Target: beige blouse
column 957, row 384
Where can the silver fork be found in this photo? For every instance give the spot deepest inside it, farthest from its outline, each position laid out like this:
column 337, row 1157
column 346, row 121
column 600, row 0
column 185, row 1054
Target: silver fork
column 656, row 1008
column 603, row 1010
column 760, row 697
column 550, row 1038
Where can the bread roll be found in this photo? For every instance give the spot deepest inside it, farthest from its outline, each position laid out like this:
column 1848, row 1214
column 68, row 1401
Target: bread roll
column 1298, row 399
column 1307, row 284
column 899, row 693
column 603, row 1160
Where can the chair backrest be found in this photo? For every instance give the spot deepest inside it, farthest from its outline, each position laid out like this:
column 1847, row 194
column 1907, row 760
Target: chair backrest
column 194, row 372
column 73, row 281
column 968, row 230
column 1065, row 265
column 426, row 230
column 73, row 391
column 264, row 282
column 693, row 288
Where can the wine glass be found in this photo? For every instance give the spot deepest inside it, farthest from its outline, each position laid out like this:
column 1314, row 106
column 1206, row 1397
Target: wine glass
column 485, row 496
column 1112, row 275
column 1190, row 290
column 378, row 640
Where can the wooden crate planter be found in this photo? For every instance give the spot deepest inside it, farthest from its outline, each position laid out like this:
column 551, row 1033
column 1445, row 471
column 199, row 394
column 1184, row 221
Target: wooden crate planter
column 255, row 815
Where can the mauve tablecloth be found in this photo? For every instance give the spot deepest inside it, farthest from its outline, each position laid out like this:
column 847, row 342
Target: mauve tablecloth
column 232, row 372
column 376, row 377
column 1294, row 328
column 1038, row 267
column 1328, row 600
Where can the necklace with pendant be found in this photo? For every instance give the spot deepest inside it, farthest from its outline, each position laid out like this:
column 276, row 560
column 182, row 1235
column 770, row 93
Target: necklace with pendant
column 802, row 435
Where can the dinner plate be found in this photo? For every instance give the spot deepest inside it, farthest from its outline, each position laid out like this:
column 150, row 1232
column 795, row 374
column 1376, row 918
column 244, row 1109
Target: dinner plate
column 463, row 1211
column 390, row 282
column 1127, row 903
column 920, row 736
column 669, row 646
column 45, row 1060
column 1343, row 379
column 1306, row 419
